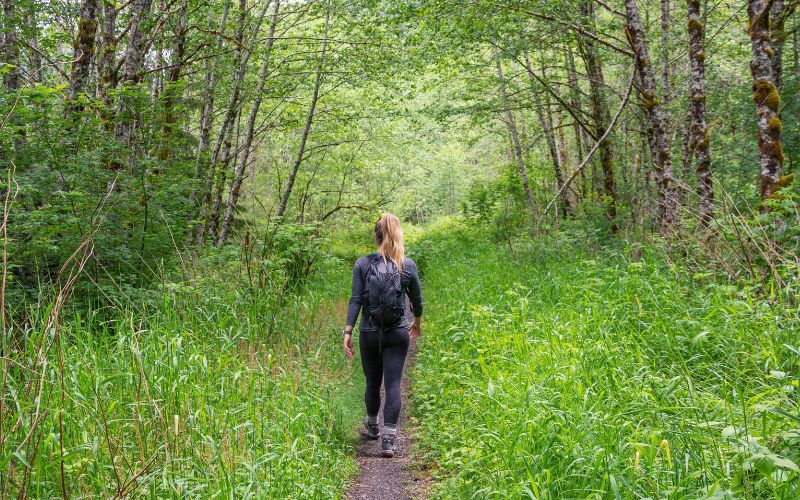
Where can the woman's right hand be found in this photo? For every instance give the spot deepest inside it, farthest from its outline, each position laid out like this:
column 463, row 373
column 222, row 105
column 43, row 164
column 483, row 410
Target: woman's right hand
column 348, row 346
column 414, row 328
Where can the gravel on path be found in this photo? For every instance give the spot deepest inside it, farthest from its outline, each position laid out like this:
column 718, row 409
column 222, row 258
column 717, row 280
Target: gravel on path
column 389, row 478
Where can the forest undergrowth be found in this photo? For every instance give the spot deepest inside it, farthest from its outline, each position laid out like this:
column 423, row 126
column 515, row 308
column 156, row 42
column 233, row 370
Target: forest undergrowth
column 559, row 372
column 548, row 369
column 213, row 389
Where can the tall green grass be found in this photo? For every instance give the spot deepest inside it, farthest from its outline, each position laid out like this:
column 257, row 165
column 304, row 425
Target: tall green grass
column 191, row 397
column 553, row 373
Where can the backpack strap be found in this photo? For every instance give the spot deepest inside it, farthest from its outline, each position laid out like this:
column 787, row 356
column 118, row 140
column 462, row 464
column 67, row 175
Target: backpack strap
column 371, row 258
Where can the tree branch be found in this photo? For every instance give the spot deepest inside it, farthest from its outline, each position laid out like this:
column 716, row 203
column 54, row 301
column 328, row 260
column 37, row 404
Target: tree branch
column 594, row 148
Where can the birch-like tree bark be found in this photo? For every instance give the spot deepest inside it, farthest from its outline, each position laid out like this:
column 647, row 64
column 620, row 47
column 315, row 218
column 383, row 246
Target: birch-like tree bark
column 232, row 109
column 9, row 49
column 601, row 117
column 665, row 87
column 229, row 154
column 171, row 91
column 515, row 142
column 301, row 149
column 546, row 123
column 83, row 54
column 238, row 175
column 662, row 159
column 107, row 60
column 767, row 100
column 796, row 62
column 699, row 133
column 207, row 118
column 575, row 102
column 563, row 161
column 777, row 32
column 223, row 136
column 133, row 63
column 36, row 51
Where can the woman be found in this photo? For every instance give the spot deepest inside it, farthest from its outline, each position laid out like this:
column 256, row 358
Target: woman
column 381, row 282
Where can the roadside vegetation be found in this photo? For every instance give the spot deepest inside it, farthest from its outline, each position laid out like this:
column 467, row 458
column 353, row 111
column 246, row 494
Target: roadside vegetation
column 206, row 387
column 561, row 372
column 601, row 196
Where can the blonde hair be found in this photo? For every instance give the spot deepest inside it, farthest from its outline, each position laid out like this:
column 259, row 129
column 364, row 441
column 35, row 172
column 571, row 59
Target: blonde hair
column 389, row 237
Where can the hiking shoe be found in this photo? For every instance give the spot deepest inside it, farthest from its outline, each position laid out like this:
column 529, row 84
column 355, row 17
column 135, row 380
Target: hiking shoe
column 387, row 448
column 372, row 429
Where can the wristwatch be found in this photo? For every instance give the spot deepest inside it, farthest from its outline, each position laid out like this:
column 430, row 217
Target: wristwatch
column 347, row 332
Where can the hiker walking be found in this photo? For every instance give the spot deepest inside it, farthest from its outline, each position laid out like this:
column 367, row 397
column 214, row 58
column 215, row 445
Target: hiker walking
column 381, row 282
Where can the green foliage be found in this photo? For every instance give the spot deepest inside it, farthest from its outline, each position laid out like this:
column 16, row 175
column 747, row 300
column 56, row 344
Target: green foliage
column 562, row 374
column 498, row 206
column 219, row 392
column 290, row 251
column 74, row 180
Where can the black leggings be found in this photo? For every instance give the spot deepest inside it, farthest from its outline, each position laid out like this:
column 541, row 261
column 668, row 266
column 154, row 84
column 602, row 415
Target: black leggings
column 384, row 365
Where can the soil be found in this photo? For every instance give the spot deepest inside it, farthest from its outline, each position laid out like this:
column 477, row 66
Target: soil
column 389, row 478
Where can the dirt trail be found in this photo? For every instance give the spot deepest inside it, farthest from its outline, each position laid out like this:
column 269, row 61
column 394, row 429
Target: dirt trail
column 389, row 478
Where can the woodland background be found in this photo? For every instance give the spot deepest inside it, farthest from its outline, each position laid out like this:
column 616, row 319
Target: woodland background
column 209, row 168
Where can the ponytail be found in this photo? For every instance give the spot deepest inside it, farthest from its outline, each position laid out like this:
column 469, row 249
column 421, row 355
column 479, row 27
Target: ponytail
column 389, row 237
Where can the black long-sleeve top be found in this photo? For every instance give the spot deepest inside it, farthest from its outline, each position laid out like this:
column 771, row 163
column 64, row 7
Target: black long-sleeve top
column 409, row 283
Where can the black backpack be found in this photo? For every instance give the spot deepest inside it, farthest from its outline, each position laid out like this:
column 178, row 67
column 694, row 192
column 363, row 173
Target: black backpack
column 386, row 302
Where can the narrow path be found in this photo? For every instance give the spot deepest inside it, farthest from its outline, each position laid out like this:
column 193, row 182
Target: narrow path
column 389, row 478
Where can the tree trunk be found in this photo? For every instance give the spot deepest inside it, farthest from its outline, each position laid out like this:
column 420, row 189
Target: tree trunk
column 287, row 191
column 600, row 115
column 206, row 119
column 699, row 134
column 135, row 50
column 512, row 128
column 563, row 161
column 223, row 135
column 10, row 49
column 662, row 160
column 229, row 153
column 777, row 15
column 238, row 176
column 242, row 59
column 767, row 100
column 83, row 54
column 133, row 64
column 796, row 64
column 665, row 87
column 233, row 106
column 575, row 102
column 107, row 61
column 35, row 54
column 555, row 158
column 171, row 91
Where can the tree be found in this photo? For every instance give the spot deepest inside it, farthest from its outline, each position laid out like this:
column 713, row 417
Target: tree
column 221, row 154
column 107, row 60
column 212, row 75
column 172, row 89
column 10, row 48
column 83, row 53
column 767, row 100
column 512, row 129
column 132, row 65
column 312, row 106
column 698, row 130
column 601, row 116
column 662, row 160
column 779, row 12
column 238, row 176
